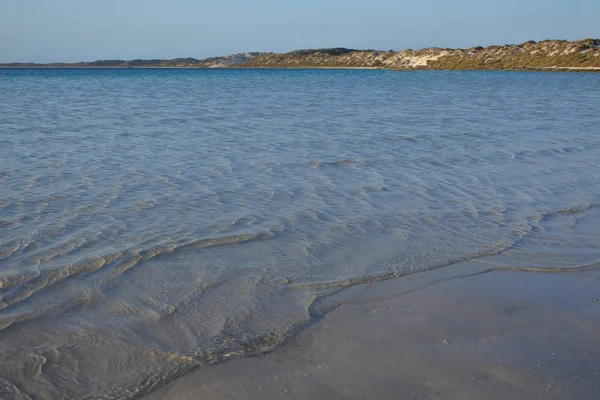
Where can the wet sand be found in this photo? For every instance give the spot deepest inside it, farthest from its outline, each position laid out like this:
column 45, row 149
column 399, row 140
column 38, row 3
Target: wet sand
column 470, row 331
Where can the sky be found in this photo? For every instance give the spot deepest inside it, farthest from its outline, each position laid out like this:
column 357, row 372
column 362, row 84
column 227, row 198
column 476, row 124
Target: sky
column 81, row 30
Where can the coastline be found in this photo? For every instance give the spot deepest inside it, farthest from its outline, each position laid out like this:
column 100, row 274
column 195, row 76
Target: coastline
column 470, row 331
column 523, row 69
column 546, row 55
column 202, row 68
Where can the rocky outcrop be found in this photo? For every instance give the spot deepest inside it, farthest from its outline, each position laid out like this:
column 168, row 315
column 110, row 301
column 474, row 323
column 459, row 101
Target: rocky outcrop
column 549, row 54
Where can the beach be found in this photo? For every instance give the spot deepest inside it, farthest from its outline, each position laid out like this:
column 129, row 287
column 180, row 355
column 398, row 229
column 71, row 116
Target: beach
column 468, row 332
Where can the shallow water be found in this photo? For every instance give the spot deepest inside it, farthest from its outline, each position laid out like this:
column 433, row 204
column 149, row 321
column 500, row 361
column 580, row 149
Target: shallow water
column 156, row 221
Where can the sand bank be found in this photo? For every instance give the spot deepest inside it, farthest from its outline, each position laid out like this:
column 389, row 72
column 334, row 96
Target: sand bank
column 470, row 331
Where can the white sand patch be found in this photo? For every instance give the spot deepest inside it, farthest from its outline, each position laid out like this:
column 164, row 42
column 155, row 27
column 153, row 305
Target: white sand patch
column 421, row 61
column 415, row 60
column 569, row 51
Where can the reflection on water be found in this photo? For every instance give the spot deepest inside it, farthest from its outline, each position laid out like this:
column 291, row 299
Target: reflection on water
column 156, row 221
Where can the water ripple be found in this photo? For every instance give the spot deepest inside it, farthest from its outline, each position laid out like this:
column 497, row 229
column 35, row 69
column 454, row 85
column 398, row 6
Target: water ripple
column 153, row 222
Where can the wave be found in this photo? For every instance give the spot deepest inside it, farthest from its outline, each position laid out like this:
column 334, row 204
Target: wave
column 17, row 285
column 209, row 242
column 576, row 209
column 337, row 163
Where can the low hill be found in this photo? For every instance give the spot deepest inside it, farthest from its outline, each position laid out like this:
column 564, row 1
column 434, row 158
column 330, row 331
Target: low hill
column 544, row 55
column 549, row 54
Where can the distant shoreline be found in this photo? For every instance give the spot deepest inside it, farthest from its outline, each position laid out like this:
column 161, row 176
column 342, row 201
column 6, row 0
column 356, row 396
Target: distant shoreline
column 547, row 55
column 523, row 69
column 207, row 68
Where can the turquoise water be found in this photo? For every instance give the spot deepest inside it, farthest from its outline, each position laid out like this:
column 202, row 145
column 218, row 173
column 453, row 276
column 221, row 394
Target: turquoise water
column 157, row 221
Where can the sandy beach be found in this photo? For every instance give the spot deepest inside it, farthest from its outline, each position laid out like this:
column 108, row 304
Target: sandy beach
column 476, row 330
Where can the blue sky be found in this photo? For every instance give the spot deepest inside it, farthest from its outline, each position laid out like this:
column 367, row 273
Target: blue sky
column 81, row 30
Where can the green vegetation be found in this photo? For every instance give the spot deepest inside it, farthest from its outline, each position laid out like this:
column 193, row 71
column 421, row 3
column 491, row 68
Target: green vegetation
column 548, row 54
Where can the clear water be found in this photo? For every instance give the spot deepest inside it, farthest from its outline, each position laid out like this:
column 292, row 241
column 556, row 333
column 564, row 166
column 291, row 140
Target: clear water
column 157, row 221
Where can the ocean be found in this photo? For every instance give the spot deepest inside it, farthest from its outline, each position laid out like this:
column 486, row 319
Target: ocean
column 157, row 221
